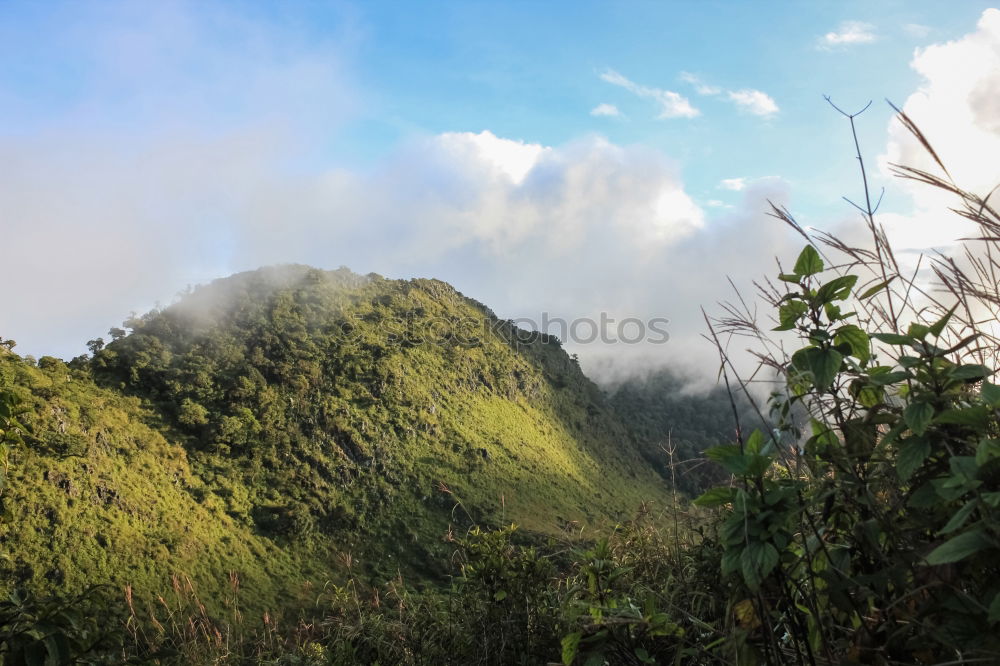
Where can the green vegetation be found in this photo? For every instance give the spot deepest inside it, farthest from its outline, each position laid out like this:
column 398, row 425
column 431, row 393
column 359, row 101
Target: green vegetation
column 674, row 426
column 326, row 468
column 292, row 427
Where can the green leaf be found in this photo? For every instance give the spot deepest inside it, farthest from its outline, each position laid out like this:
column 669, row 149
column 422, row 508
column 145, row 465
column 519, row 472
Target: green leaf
column 836, row 289
column 938, row 327
column 756, row 562
column 500, row 595
column 730, row 458
column 958, row 518
column 960, row 547
column 886, row 378
column 918, row 416
column 990, row 393
column 822, row 364
column 893, row 338
column 790, row 313
column 970, row 372
column 722, row 453
column 912, row 455
column 987, row 450
column 790, row 277
column 871, row 291
column 755, row 442
column 730, row 561
column 825, row 366
column 570, row 643
column 857, row 339
column 809, row 262
column 918, row 331
column 716, row 497
column 975, row 417
column 994, row 610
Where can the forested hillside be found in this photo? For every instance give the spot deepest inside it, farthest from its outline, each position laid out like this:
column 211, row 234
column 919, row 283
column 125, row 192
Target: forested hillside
column 283, row 422
column 674, row 425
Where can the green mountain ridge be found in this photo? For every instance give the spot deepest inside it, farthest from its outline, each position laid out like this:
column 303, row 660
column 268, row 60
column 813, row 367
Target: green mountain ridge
column 286, row 423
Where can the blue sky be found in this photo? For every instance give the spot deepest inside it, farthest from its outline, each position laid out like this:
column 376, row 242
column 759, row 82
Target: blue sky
column 147, row 146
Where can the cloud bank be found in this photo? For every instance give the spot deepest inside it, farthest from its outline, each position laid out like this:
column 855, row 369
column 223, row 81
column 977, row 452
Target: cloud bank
column 958, row 109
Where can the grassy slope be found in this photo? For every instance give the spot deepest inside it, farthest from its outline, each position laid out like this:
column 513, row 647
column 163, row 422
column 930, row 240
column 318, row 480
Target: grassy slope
column 103, row 497
column 285, row 418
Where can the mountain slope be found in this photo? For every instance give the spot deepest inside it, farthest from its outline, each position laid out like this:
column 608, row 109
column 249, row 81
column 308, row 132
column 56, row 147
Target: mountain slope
column 662, row 414
column 98, row 495
column 289, row 417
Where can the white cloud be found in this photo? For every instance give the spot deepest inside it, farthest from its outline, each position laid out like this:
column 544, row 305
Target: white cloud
column 608, row 110
column 513, row 159
column 715, row 203
column 734, row 184
column 956, row 108
column 150, row 162
column 700, row 86
column 672, row 104
column 849, row 32
column 220, row 174
column 916, row 30
column 754, row 101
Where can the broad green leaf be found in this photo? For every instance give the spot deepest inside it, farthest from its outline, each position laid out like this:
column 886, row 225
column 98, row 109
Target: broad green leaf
column 730, row 561
column 825, row 366
column 755, row 442
column 911, row 456
column 789, row 314
column 987, row 450
column 918, row 331
column 822, row 364
column 960, row 547
column 809, row 262
column 857, row 339
column 975, row 417
column 917, row 416
column 790, row 277
column 721, row 453
column 990, row 393
column 756, row 562
column 716, row 497
column 970, row 372
column 958, row 518
column 886, row 378
column 836, row 289
column 731, row 459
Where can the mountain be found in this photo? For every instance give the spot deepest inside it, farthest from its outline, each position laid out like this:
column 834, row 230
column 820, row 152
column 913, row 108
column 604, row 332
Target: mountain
column 662, row 413
column 287, row 423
